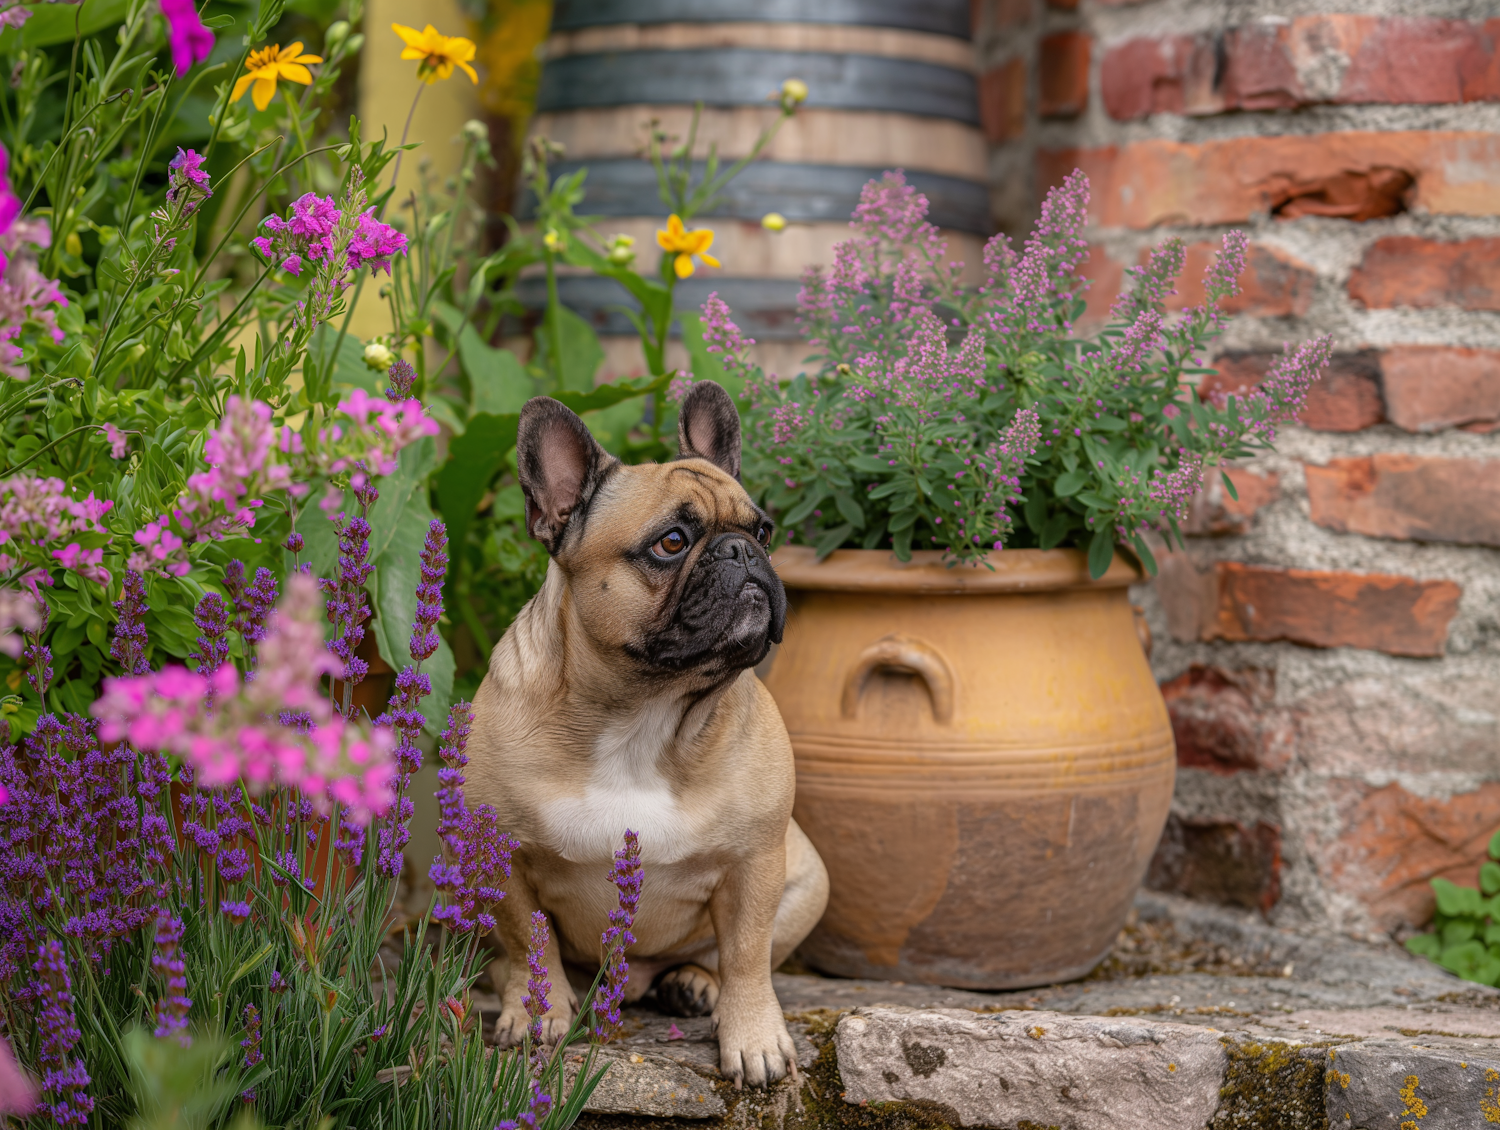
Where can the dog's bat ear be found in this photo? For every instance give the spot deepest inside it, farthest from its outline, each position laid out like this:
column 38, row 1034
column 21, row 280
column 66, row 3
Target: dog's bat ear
column 560, row 465
column 708, row 427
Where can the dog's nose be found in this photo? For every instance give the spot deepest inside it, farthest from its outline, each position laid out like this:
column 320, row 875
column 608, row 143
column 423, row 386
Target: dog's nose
column 732, row 547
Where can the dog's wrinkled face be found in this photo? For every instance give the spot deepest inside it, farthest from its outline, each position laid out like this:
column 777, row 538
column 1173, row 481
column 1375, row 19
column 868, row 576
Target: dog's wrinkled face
column 667, row 563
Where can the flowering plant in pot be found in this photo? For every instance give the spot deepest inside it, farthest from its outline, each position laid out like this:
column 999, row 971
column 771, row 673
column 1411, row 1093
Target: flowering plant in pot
column 996, row 707
column 1020, row 433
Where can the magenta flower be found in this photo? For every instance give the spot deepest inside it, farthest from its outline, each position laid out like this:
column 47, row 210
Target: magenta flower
column 191, row 41
column 17, row 1094
column 10, row 203
column 373, row 245
column 186, row 181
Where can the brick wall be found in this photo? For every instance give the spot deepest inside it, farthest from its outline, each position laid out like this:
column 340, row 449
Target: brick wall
column 1329, row 644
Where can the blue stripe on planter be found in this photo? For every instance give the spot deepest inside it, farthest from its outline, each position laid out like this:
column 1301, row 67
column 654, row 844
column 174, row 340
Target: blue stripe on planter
column 943, row 17
column 806, row 193
column 743, row 76
column 766, row 309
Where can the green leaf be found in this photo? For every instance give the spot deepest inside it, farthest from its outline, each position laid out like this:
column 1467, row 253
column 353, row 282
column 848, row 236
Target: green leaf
column 832, row 539
column 1056, row 529
column 1454, row 900
column 1466, row 960
column 252, row 963
column 1101, row 551
column 1495, row 846
column 49, row 26
column 1148, row 559
column 497, row 378
column 1070, row 483
column 1036, row 510
column 1234, row 494
column 1110, row 424
column 579, row 351
column 849, row 509
column 869, row 464
column 1425, row 945
column 1489, row 878
column 473, row 460
column 1458, row 931
column 901, row 544
column 808, row 504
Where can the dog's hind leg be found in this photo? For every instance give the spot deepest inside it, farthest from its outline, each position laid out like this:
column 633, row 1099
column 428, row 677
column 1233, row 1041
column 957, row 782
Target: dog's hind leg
column 692, row 989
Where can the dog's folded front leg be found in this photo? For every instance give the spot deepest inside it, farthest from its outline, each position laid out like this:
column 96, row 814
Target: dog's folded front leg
column 754, row 1045
column 514, row 930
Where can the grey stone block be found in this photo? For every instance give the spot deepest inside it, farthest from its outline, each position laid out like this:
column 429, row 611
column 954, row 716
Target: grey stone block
column 1045, row 1068
column 650, row 1085
column 1385, row 1087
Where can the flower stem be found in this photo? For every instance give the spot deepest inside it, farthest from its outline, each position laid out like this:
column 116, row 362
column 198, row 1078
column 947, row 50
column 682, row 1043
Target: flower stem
column 406, row 129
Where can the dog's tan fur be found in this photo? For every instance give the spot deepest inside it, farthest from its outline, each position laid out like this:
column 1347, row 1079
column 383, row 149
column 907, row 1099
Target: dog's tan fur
column 574, row 741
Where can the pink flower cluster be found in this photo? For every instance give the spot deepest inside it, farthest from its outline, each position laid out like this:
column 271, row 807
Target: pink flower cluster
column 1044, row 279
column 26, row 295
column 19, row 612
column 241, row 735
column 249, row 457
column 40, row 528
column 308, row 234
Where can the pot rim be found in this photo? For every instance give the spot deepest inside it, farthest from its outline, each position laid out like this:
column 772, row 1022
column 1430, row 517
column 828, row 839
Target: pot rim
column 878, row 570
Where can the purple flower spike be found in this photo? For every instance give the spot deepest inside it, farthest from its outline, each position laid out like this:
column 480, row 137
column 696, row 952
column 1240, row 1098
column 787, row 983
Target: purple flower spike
column 347, row 607
column 251, row 1044
column 212, row 618
column 472, row 882
column 424, row 636
column 402, row 376
column 537, row 987
column 128, row 648
column 173, row 1004
column 237, row 912
column 63, row 1075
column 626, row 876
column 450, row 791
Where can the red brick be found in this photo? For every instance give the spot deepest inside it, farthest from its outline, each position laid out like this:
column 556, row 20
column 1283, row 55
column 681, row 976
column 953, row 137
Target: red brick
column 1002, row 101
column 1259, row 73
column 1227, row 721
column 1012, row 13
column 1406, row 270
column 1346, row 399
column 1170, row 75
column 1063, row 71
column 1373, row 611
column 1219, row 861
column 1430, row 387
column 1215, row 512
column 1393, row 843
column 1408, row 497
column 1064, row 5
column 1265, row 66
column 1146, row 183
column 1368, row 194
column 1106, row 274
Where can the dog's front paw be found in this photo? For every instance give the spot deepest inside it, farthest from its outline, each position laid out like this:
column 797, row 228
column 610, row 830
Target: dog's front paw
column 688, row 990
column 510, row 1029
column 754, row 1045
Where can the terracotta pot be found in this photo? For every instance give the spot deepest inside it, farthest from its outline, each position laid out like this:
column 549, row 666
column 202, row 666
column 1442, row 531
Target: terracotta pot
column 984, row 761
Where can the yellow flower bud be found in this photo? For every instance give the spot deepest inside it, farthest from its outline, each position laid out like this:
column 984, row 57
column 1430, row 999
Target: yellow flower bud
column 378, row 356
column 793, row 92
column 553, row 239
column 773, row 221
column 73, row 245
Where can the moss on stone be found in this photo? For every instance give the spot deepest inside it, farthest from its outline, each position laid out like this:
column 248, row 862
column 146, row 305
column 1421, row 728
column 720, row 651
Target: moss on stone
column 1272, row 1086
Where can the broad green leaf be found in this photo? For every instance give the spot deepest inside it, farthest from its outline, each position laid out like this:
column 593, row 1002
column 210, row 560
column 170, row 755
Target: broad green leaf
column 1454, row 900
column 51, row 25
column 1101, row 551
column 1489, row 878
column 1495, row 846
column 473, row 460
column 832, row 539
column 1056, row 529
column 809, row 503
column 414, row 464
column 1036, row 510
column 497, row 378
column 1425, row 945
column 850, row 509
column 1070, row 483
column 579, row 351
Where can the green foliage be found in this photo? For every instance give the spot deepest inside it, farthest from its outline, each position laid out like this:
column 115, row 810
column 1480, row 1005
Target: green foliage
column 1465, row 937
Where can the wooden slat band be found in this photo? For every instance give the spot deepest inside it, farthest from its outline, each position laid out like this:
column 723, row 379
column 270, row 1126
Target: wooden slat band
column 813, row 193
column 742, row 76
column 834, row 137
column 942, row 17
column 763, row 308
column 892, row 43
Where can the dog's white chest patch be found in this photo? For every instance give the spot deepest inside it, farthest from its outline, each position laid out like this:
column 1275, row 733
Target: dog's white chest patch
column 625, row 790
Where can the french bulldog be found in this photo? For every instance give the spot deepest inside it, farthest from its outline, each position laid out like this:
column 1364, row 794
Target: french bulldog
column 623, row 696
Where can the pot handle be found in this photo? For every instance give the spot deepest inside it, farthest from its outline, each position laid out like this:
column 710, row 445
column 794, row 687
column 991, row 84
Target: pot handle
column 903, row 653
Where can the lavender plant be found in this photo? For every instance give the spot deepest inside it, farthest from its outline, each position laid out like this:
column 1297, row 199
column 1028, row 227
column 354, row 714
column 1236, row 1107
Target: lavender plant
column 964, row 420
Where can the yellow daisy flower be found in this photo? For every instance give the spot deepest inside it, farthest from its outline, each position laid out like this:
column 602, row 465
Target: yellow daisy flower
column 269, row 64
column 439, row 53
column 686, row 244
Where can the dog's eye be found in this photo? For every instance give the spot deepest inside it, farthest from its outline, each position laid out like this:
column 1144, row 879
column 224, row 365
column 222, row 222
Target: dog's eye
column 670, row 545
column 763, row 535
